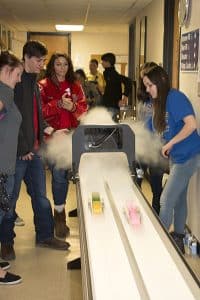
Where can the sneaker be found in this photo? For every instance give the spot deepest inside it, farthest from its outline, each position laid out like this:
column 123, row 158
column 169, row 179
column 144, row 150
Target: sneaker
column 54, row 243
column 178, row 239
column 19, row 222
column 4, row 265
column 7, row 252
column 10, row 278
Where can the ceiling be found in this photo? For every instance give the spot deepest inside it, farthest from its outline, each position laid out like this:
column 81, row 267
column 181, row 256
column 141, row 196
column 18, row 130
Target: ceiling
column 42, row 15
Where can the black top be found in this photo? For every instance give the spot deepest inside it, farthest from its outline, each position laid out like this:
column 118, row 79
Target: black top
column 113, row 89
column 23, row 96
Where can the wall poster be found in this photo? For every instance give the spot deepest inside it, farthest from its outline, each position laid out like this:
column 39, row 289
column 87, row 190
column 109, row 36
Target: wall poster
column 189, row 51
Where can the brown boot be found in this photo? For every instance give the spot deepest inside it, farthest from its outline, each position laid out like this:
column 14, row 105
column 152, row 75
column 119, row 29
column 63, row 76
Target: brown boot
column 61, row 229
column 54, row 243
column 7, row 252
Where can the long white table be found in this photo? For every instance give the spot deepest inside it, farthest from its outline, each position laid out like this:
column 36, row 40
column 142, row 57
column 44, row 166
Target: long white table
column 125, row 262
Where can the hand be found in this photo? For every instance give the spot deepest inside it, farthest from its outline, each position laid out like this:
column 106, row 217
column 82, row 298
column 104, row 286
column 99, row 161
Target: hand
column 61, row 131
column 166, row 149
column 49, row 130
column 123, row 101
column 28, row 156
column 67, row 103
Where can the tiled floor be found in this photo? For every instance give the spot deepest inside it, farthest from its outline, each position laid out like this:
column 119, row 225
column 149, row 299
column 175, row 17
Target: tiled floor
column 44, row 271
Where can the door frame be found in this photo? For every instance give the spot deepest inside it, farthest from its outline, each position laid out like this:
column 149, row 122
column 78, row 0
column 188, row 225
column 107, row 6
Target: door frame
column 29, row 33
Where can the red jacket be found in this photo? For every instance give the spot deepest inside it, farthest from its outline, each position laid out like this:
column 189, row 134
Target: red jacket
column 57, row 117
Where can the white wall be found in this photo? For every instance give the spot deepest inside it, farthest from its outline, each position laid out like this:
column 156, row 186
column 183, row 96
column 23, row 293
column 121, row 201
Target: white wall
column 189, row 85
column 18, row 40
column 84, row 44
column 155, row 29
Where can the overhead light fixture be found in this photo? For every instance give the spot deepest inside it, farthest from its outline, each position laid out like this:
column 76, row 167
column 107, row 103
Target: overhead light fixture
column 69, row 27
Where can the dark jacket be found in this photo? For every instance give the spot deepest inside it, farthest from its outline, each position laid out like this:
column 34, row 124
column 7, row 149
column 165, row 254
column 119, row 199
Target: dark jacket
column 23, row 96
column 113, row 89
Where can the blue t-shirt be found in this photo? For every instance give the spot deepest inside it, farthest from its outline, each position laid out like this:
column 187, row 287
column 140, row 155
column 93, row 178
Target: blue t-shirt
column 177, row 108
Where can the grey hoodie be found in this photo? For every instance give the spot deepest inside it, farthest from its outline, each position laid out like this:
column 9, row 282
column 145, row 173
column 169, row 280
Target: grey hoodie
column 10, row 120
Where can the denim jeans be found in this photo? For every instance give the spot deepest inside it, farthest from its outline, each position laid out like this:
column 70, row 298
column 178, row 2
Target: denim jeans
column 156, row 176
column 174, row 196
column 155, row 180
column 9, row 189
column 59, row 184
column 32, row 172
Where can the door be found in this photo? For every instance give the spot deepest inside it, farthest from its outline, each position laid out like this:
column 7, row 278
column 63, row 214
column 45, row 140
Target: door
column 55, row 42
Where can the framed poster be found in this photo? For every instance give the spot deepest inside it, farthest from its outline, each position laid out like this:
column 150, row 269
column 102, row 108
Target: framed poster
column 189, row 51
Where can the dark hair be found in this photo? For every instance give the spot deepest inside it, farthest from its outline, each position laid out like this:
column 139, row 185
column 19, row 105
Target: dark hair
column 9, row 59
column 142, row 95
column 95, row 61
column 50, row 70
column 34, row 48
column 110, row 57
column 159, row 77
column 81, row 73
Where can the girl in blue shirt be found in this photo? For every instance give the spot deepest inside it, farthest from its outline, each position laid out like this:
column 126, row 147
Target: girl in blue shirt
column 174, row 118
column 144, row 114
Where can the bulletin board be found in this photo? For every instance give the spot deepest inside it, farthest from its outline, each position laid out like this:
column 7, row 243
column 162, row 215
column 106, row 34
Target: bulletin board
column 189, row 51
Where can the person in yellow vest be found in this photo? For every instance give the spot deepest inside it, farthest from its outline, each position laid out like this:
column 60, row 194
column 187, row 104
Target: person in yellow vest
column 95, row 76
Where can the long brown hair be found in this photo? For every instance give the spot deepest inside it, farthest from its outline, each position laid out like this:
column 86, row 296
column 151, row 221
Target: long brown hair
column 159, row 77
column 9, row 59
column 142, row 95
column 50, row 70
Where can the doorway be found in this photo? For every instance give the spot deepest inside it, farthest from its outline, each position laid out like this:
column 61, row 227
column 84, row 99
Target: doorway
column 55, row 42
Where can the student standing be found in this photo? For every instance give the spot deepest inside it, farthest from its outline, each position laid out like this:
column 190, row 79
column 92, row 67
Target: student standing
column 91, row 92
column 95, row 76
column 29, row 165
column 174, row 118
column 63, row 102
column 10, row 119
column 145, row 112
column 114, row 96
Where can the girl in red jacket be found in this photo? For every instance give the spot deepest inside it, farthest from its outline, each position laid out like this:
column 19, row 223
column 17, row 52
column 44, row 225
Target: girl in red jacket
column 63, row 102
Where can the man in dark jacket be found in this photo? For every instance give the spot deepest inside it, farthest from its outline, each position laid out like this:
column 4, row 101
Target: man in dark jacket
column 29, row 166
column 113, row 96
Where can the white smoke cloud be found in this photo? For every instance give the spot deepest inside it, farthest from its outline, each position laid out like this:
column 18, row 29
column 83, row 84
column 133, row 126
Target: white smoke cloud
column 58, row 150
column 97, row 116
column 148, row 146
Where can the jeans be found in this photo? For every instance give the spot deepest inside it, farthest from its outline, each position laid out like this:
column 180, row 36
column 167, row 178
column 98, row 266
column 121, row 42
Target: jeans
column 174, row 195
column 9, row 189
column 32, row 172
column 156, row 176
column 59, row 185
column 155, row 179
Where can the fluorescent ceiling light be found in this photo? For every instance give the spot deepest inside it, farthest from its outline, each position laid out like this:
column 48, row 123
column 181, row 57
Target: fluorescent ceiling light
column 69, row 27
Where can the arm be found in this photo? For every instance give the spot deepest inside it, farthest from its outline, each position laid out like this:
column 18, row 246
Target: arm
column 188, row 128
column 2, row 110
column 80, row 104
column 1, row 105
column 127, row 90
column 127, row 85
column 50, row 107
